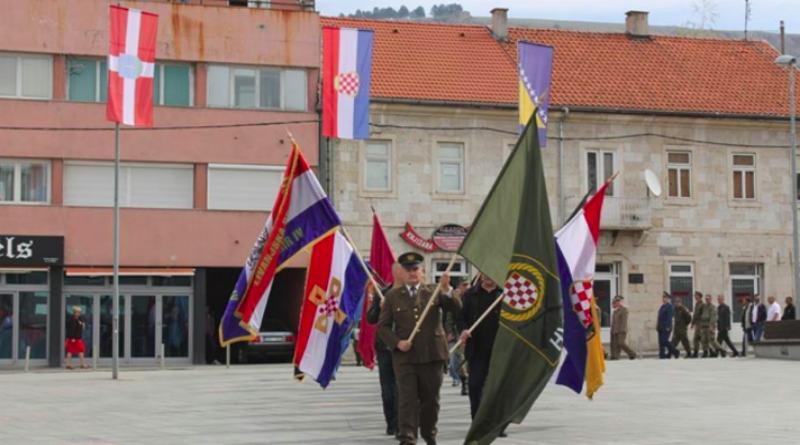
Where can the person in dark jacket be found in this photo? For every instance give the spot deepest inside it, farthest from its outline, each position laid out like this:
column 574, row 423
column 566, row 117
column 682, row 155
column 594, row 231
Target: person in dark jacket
column 74, row 343
column 789, row 311
column 724, row 326
column 747, row 325
column 664, row 327
column 384, row 355
column 758, row 317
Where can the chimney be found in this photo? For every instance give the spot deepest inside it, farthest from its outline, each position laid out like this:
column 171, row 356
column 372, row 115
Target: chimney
column 636, row 24
column 500, row 23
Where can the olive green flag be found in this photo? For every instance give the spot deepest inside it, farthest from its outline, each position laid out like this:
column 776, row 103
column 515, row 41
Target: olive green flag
column 511, row 241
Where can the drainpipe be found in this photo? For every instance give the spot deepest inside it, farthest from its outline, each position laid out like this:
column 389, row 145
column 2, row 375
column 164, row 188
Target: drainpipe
column 564, row 116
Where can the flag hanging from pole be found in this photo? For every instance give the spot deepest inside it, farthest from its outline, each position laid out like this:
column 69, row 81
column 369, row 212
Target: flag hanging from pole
column 331, row 308
column 576, row 244
column 346, row 73
column 131, row 66
column 511, row 241
column 381, row 259
column 301, row 215
column 535, row 74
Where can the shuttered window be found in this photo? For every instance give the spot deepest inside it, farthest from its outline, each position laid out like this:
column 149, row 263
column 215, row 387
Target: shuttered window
column 243, row 187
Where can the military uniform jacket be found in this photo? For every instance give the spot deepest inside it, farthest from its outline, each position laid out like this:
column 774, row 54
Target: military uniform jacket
column 683, row 318
column 708, row 317
column 399, row 316
column 698, row 313
column 619, row 322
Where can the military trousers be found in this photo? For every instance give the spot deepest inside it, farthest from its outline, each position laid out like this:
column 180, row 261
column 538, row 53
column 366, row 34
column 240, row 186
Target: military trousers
column 617, row 343
column 418, row 386
column 698, row 337
column 682, row 337
column 707, row 338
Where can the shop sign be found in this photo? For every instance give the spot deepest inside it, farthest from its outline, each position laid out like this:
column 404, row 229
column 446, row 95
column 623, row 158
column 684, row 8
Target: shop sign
column 21, row 250
column 417, row 240
column 449, row 237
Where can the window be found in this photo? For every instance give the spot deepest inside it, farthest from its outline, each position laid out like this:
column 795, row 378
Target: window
column 744, row 176
column 458, row 274
column 24, row 181
column 599, row 167
column 243, row 187
column 249, row 87
column 450, row 167
column 679, row 170
column 26, row 76
column 88, row 82
column 378, row 166
column 165, row 186
column 746, row 281
column 681, row 283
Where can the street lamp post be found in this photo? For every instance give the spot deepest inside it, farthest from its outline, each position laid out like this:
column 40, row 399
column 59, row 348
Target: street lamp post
column 791, row 63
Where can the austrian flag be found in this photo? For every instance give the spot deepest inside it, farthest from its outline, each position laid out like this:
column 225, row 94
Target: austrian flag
column 131, row 65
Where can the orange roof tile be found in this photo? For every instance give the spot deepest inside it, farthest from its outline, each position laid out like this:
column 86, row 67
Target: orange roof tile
column 464, row 63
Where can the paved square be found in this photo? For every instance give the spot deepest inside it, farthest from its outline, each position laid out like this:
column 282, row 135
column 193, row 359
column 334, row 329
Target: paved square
column 713, row 401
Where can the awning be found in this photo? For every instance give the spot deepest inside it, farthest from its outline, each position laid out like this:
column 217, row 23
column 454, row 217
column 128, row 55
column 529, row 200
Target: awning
column 128, row 272
column 22, row 269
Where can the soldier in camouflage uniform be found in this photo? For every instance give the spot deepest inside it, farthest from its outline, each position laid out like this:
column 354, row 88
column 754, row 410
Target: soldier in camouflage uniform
column 683, row 318
column 709, row 321
column 698, row 312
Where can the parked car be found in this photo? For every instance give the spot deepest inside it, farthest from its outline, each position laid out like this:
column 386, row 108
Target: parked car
column 274, row 340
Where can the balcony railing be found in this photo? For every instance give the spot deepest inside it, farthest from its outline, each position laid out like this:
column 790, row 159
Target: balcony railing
column 286, row 5
column 620, row 213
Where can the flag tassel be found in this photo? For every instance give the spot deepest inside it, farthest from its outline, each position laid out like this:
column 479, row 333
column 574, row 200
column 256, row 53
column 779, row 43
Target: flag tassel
column 430, row 301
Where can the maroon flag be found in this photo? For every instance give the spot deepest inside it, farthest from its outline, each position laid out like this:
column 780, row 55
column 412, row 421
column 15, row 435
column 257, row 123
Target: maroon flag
column 131, row 66
column 381, row 259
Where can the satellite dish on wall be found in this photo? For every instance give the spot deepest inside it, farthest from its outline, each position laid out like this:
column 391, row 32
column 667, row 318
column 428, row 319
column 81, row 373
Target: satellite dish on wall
column 653, row 183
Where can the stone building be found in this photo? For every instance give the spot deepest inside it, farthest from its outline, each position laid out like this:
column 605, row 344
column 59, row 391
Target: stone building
column 707, row 116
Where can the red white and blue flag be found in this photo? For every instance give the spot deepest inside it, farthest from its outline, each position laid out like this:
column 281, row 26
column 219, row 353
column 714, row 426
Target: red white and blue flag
column 332, row 307
column 576, row 247
column 131, row 66
column 346, row 72
column 301, row 215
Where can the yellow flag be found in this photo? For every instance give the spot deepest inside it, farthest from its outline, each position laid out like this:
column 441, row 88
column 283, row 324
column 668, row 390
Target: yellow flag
column 595, row 360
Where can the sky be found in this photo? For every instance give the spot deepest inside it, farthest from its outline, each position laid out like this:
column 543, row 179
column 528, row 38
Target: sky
column 765, row 14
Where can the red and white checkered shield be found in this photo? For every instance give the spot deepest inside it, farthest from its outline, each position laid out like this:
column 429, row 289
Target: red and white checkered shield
column 519, row 292
column 580, row 295
column 348, row 83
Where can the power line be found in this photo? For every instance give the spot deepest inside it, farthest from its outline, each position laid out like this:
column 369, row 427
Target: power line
column 170, row 128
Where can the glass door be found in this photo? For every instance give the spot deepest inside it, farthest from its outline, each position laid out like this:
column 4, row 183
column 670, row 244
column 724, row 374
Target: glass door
column 605, row 288
column 32, row 325
column 175, row 326
column 142, row 322
column 6, row 327
column 105, row 321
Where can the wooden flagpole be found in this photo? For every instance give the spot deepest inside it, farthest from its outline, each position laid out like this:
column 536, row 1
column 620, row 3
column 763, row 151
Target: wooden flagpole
column 478, row 321
column 430, row 301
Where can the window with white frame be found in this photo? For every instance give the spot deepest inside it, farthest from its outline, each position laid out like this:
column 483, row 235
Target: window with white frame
column 26, row 76
column 157, row 186
column 24, row 181
column 599, row 167
column 450, row 160
column 458, row 274
column 88, row 82
column 679, row 174
column 378, row 166
column 243, row 187
column 681, row 283
column 744, row 176
column 747, row 279
column 257, row 87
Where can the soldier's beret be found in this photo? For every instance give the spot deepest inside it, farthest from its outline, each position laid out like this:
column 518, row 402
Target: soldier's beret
column 411, row 259
column 619, row 298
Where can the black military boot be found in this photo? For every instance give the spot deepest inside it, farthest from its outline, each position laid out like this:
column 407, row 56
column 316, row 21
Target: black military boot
column 705, row 354
column 464, row 389
column 714, row 354
column 695, row 353
column 723, row 353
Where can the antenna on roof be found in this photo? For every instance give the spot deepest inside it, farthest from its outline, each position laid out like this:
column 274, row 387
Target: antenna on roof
column 746, row 16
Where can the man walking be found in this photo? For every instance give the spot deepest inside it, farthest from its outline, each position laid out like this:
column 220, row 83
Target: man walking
column 418, row 366
column 774, row 311
column 384, row 355
column 747, row 324
column 758, row 317
column 708, row 326
column 619, row 330
column 724, row 326
column 683, row 318
column 456, row 366
column 788, row 311
column 664, row 328
column 698, row 313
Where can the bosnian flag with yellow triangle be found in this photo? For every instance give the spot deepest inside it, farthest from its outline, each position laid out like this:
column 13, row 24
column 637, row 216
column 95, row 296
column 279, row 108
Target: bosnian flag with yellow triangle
column 535, row 73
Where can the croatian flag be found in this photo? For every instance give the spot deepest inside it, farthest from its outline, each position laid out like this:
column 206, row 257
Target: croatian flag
column 346, row 72
column 576, row 246
column 331, row 308
column 131, row 64
column 301, row 215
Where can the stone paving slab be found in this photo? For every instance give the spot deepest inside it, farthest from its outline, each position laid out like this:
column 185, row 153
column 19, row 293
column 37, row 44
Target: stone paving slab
column 715, row 401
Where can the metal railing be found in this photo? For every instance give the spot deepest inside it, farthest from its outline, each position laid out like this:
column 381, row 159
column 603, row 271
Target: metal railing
column 290, row 5
column 620, row 213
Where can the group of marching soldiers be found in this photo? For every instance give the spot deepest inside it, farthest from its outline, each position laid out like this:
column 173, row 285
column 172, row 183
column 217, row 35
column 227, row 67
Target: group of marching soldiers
column 711, row 325
column 412, row 344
